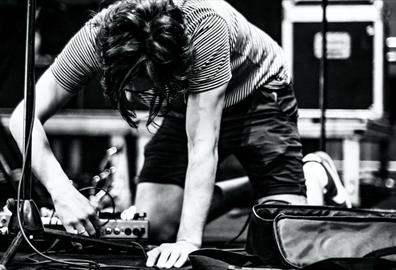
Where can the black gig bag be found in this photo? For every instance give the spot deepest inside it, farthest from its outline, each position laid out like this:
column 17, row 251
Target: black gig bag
column 290, row 236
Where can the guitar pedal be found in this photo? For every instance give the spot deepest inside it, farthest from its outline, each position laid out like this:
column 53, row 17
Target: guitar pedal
column 114, row 228
column 125, row 229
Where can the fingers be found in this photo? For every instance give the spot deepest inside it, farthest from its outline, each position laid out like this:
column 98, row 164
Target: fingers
column 167, row 256
column 45, row 212
column 88, row 228
column 84, row 227
column 170, row 262
column 129, row 214
column 152, row 256
column 70, row 228
column 182, row 260
column 95, row 222
column 163, row 258
column 80, row 229
column 76, row 213
column 87, row 223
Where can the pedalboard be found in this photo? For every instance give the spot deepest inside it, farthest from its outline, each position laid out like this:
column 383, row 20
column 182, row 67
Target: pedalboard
column 135, row 229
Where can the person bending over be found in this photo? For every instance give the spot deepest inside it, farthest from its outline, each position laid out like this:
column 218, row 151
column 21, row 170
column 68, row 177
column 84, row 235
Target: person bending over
column 222, row 86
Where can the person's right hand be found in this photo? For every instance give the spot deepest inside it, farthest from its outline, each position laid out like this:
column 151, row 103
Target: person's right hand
column 75, row 211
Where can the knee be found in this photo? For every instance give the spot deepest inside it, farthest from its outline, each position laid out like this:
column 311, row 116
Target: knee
column 163, row 211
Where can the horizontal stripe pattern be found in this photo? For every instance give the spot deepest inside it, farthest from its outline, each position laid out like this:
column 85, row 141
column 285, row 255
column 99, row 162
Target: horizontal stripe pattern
column 255, row 59
column 78, row 62
column 227, row 49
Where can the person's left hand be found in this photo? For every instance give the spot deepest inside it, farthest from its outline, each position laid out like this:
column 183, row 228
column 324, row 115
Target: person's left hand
column 170, row 255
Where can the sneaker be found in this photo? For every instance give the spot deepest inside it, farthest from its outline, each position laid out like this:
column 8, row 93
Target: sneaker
column 334, row 193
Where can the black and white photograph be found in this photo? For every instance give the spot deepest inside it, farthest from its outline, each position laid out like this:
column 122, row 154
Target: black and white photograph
column 198, row 134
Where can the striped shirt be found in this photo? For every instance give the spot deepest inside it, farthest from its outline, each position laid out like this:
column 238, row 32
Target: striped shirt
column 227, row 49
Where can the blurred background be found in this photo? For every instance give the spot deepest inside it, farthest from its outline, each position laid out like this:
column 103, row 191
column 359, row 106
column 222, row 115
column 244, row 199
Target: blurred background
column 361, row 89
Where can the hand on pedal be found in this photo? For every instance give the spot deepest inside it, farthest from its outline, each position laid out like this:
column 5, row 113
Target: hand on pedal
column 75, row 211
column 129, row 214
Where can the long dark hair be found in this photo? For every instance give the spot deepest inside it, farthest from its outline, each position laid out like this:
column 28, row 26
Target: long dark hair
column 143, row 38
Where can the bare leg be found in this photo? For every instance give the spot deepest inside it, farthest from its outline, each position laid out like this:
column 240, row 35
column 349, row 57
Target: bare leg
column 163, row 204
column 289, row 198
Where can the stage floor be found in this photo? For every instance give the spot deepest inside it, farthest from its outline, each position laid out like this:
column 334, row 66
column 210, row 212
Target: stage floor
column 217, row 234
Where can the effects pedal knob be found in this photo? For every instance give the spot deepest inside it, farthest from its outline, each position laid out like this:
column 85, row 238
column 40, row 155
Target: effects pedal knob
column 128, row 231
column 139, row 232
column 124, row 229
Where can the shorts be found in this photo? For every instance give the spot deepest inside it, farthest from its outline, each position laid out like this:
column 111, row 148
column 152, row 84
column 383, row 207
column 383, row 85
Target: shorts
column 261, row 132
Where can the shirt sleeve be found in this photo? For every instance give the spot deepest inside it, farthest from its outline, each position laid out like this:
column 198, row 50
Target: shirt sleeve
column 78, row 62
column 211, row 50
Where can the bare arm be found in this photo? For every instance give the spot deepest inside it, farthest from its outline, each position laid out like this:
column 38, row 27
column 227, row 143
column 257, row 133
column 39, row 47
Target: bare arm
column 72, row 208
column 208, row 80
column 203, row 119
